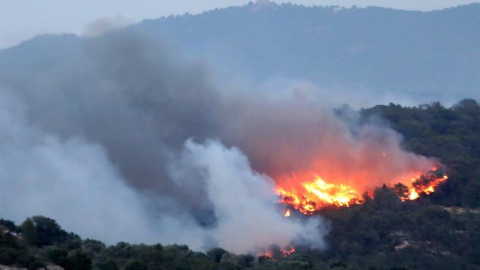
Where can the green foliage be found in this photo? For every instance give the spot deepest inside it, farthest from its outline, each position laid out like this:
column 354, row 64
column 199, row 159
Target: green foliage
column 57, row 255
column 228, row 262
column 380, row 234
column 8, row 224
column 8, row 256
column 29, row 262
column 77, row 260
column 29, row 232
column 136, row 265
column 450, row 134
column 48, row 231
column 385, row 198
column 153, row 257
column 216, row 254
column 11, row 252
column 108, row 265
column 94, row 246
column 40, row 231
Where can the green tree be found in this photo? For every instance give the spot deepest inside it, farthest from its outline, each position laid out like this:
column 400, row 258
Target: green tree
column 401, row 190
column 29, row 232
column 57, row 255
column 216, row 254
column 135, row 265
column 385, row 198
column 48, row 231
column 229, row 262
column 78, row 260
column 8, row 224
column 108, row 265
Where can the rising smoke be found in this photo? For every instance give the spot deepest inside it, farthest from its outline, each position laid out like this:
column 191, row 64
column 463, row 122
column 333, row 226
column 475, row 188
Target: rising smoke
column 119, row 140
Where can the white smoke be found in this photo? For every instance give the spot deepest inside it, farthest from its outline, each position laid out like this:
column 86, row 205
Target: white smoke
column 244, row 201
column 68, row 180
column 74, row 182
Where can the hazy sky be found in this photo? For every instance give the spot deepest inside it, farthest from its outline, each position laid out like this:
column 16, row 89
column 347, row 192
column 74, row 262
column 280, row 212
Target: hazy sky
column 23, row 19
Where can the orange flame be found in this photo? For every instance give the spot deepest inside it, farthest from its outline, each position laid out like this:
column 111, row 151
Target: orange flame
column 288, row 252
column 413, row 195
column 331, row 193
column 424, row 184
column 309, row 195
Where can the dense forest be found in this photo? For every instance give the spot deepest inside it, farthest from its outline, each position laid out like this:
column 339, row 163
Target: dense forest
column 436, row 231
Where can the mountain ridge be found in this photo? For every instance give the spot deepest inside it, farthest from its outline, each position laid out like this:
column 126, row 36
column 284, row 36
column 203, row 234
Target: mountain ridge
column 421, row 55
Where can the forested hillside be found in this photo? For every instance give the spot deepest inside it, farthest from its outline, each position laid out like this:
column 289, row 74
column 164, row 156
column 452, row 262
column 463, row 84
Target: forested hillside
column 450, row 134
column 437, row 231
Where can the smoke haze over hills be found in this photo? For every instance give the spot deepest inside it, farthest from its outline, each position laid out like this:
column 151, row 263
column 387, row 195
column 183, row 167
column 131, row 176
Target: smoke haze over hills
column 121, row 137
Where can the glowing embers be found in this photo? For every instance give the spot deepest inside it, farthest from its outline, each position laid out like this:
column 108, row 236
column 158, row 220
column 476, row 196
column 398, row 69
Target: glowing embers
column 288, row 251
column 274, row 252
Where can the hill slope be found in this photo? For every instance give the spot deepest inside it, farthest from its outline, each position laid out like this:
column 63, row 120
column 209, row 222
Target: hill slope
column 426, row 54
column 422, row 56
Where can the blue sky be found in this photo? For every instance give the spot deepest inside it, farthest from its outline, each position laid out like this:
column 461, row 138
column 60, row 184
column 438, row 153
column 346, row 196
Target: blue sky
column 23, row 19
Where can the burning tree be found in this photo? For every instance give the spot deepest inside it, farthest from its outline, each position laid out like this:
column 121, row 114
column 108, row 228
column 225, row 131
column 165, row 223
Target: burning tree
column 310, row 195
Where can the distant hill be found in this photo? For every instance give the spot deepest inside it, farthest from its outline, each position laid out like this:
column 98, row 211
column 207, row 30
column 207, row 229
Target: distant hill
column 427, row 56
column 432, row 55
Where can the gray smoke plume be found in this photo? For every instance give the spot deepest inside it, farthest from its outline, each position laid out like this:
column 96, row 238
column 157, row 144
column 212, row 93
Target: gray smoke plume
column 118, row 139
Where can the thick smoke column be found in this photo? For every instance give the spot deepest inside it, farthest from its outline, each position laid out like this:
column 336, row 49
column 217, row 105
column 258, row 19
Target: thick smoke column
column 301, row 137
column 143, row 143
column 66, row 179
column 244, row 203
column 74, row 182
